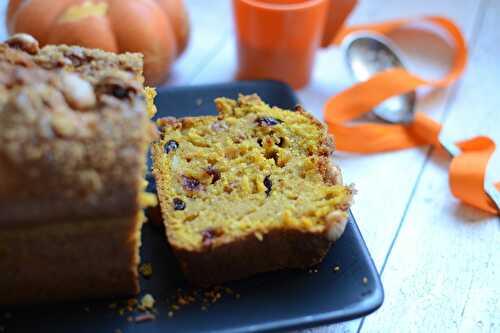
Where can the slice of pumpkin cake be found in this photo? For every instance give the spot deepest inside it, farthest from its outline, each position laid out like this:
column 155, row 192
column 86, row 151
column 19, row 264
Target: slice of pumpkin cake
column 250, row 190
column 74, row 130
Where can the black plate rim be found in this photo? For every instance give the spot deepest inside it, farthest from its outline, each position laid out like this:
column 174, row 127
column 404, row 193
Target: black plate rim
column 276, row 83
column 363, row 308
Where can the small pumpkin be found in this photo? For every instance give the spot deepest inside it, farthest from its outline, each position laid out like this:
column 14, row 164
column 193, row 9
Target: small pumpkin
column 157, row 28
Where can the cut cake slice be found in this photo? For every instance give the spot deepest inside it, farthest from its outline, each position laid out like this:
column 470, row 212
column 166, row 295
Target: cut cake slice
column 250, row 190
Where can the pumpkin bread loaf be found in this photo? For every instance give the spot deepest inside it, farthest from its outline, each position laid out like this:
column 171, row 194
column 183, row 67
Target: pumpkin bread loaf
column 74, row 131
column 250, row 190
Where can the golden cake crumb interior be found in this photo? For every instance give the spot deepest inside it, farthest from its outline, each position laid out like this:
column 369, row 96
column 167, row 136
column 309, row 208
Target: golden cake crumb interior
column 252, row 169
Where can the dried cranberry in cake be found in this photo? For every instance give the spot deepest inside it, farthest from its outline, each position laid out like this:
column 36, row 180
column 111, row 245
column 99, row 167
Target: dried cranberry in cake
column 268, row 184
column 170, row 145
column 268, row 121
column 214, row 172
column 179, row 204
column 191, row 184
column 281, row 142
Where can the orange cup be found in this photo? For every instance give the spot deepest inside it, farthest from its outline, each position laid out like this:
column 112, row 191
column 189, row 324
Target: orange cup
column 278, row 39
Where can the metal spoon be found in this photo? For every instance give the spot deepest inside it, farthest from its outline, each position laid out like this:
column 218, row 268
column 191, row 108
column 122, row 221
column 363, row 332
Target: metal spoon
column 367, row 54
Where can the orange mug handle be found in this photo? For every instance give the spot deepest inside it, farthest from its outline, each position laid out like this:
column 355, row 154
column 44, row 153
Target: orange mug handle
column 338, row 11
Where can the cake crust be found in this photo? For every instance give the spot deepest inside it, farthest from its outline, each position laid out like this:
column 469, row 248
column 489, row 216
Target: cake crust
column 97, row 258
column 278, row 249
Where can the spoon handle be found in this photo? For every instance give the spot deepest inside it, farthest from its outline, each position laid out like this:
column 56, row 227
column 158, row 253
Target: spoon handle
column 490, row 189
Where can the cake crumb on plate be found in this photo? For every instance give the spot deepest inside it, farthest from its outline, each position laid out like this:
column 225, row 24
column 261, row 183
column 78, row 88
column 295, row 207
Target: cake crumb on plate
column 147, row 302
column 144, row 317
column 146, row 270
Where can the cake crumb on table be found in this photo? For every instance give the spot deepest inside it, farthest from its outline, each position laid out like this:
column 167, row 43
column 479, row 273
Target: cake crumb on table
column 365, row 280
column 336, row 269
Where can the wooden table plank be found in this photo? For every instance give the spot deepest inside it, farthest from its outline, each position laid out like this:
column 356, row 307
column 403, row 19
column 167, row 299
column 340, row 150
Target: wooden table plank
column 209, row 32
column 385, row 181
column 443, row 272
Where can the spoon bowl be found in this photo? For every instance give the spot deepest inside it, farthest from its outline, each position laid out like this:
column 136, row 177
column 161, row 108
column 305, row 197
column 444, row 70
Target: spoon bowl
column 366, row 55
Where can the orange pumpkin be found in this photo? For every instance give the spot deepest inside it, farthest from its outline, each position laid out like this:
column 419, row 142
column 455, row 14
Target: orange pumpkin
column 157, row 28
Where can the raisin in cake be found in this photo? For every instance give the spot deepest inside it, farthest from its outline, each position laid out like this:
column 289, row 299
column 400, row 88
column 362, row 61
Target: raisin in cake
column 248, row 191
column 74, row 130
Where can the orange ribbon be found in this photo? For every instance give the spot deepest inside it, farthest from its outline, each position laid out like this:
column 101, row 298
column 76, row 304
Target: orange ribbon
column 467, row 171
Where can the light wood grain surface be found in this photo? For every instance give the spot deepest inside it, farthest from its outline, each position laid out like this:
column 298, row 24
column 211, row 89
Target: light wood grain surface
column 439, row 260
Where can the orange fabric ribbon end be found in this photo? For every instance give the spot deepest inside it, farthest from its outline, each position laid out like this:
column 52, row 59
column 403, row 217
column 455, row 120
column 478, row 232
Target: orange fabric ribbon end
column 467, row 171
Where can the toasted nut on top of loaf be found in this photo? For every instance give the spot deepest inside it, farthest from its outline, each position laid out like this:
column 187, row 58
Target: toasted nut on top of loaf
column 23, row 42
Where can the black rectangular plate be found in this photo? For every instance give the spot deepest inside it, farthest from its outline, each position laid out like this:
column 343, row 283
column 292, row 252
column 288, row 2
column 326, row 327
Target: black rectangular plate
column 268, row 302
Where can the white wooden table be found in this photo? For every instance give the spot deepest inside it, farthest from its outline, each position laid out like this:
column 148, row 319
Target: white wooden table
column 439, row 260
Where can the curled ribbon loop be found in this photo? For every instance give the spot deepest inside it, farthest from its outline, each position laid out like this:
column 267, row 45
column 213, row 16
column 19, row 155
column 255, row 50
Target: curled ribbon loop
column 467, row 171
